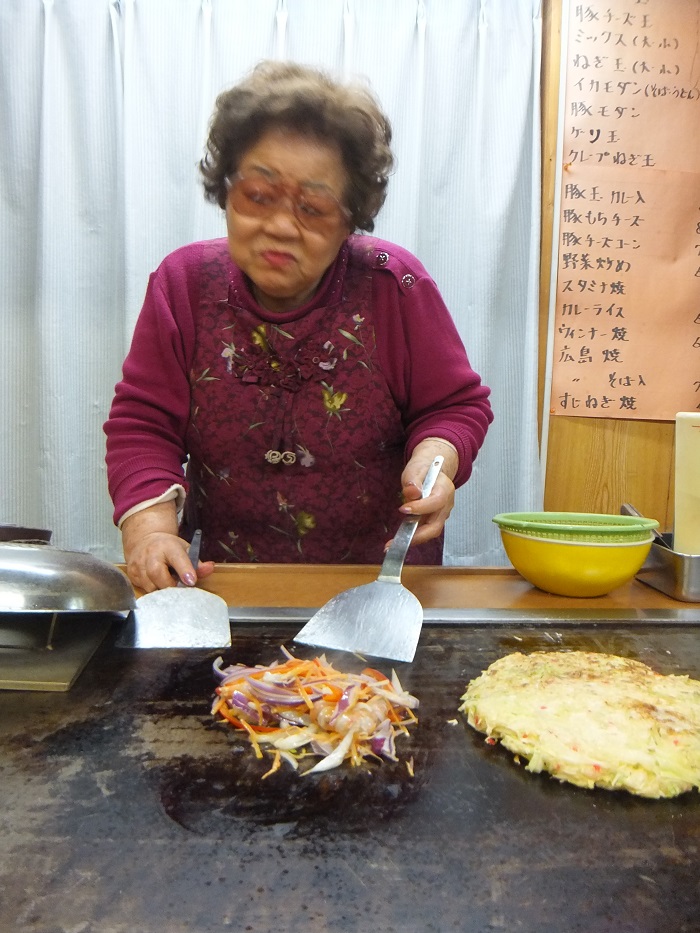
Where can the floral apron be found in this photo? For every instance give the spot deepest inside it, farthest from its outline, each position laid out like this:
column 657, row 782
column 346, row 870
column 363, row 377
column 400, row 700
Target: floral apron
column 295, row 444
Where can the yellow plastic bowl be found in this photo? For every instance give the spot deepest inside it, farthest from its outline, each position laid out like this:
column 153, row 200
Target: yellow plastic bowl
column 573, row 568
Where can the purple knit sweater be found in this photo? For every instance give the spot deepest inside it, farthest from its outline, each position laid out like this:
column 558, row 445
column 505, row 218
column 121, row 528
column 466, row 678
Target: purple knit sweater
column 418, row 351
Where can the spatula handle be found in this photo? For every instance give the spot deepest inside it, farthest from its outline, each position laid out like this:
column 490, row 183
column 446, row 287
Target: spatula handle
column 193, row 551
column 194, row 548
column 396, row 555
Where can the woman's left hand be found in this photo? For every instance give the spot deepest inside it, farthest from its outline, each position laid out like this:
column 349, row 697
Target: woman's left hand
column 435, row 509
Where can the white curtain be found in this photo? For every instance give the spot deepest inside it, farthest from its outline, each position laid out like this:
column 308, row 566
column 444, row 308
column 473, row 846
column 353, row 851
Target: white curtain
column 104, row 106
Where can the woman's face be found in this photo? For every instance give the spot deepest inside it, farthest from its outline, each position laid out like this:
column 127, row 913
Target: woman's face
column 286, row 257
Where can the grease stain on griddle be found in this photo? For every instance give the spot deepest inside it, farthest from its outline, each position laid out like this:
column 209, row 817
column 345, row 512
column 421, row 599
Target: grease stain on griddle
column 219, row 785
column 630, row 644
column 211, row 795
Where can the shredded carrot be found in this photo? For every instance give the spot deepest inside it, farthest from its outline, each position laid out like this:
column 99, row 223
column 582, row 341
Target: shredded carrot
column 377, row 675
column 253, row 738
column 331, row 692
column 224, row 711
column 305, row 694
column 276, row 763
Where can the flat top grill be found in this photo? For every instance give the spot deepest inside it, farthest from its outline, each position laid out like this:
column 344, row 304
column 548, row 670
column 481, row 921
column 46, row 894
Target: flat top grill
column 128, row 807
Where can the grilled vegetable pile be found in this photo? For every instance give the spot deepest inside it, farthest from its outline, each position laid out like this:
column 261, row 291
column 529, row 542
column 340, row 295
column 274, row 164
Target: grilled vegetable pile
column 307, row 711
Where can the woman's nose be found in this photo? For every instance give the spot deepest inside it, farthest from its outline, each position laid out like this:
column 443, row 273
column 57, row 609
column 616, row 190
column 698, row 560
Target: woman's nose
column 282, row 218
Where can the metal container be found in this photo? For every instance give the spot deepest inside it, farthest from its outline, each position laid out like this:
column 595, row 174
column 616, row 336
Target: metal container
column 41, row 578
column 677, row 575
column 56, row 607
column 23, row 533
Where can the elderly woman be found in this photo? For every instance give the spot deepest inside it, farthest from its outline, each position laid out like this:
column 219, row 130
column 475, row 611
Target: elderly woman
column 288, row 386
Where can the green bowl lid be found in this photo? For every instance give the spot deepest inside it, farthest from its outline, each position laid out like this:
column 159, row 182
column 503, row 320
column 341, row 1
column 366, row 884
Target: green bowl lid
column 583, row 526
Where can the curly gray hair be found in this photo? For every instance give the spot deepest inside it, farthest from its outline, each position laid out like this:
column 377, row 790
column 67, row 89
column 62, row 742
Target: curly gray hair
column 286, row 95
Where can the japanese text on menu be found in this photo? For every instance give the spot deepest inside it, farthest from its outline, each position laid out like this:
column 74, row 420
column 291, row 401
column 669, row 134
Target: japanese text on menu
column 627, row 316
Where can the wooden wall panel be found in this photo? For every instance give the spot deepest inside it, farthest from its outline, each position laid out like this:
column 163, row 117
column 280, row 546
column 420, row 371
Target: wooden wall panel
column 592, row 464
column 595, row 464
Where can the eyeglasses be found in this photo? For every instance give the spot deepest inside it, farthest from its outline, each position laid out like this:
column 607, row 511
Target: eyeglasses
column 255, row 195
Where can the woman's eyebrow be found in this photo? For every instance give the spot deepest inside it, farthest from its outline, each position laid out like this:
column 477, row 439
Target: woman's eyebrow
column 263, row 170
column 275, row 176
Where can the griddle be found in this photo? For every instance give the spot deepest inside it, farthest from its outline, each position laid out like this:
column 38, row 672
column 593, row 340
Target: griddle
column 127, row 807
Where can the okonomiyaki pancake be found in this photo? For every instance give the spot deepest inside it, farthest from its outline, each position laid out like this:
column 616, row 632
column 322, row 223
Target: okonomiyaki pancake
column 592, row 719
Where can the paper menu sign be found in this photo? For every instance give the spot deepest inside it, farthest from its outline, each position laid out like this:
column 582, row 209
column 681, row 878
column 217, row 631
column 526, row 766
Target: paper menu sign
column 626, row 318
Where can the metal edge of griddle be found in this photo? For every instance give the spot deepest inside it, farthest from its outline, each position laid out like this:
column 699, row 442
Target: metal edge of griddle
column 32, row 660
column 280, row 615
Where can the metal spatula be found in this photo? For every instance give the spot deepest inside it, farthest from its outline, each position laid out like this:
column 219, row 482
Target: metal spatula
column 178, row 617
column 381, row 618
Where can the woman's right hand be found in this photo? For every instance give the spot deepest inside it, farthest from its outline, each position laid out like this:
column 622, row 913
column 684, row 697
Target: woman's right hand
column 156, row 557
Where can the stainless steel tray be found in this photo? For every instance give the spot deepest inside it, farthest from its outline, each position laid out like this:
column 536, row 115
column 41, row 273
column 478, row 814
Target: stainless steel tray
column 676, row 575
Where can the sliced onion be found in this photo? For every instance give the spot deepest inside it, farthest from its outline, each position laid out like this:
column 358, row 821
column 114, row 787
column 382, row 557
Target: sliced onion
column 296, row 719
column 382, row 742
column 395, row 682
column 336, row 757
column 346, row 702
column 292, row 740
column 402, row 699
column 236, row 672
column 274, row 694
column 239, row 701
column 321, row 746
column 290, row 759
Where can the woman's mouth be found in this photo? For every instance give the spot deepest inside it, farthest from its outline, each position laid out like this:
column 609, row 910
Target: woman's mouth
column 276, row 259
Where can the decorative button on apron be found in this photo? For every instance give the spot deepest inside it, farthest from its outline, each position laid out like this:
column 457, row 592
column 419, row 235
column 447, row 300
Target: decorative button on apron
column 287, row 457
